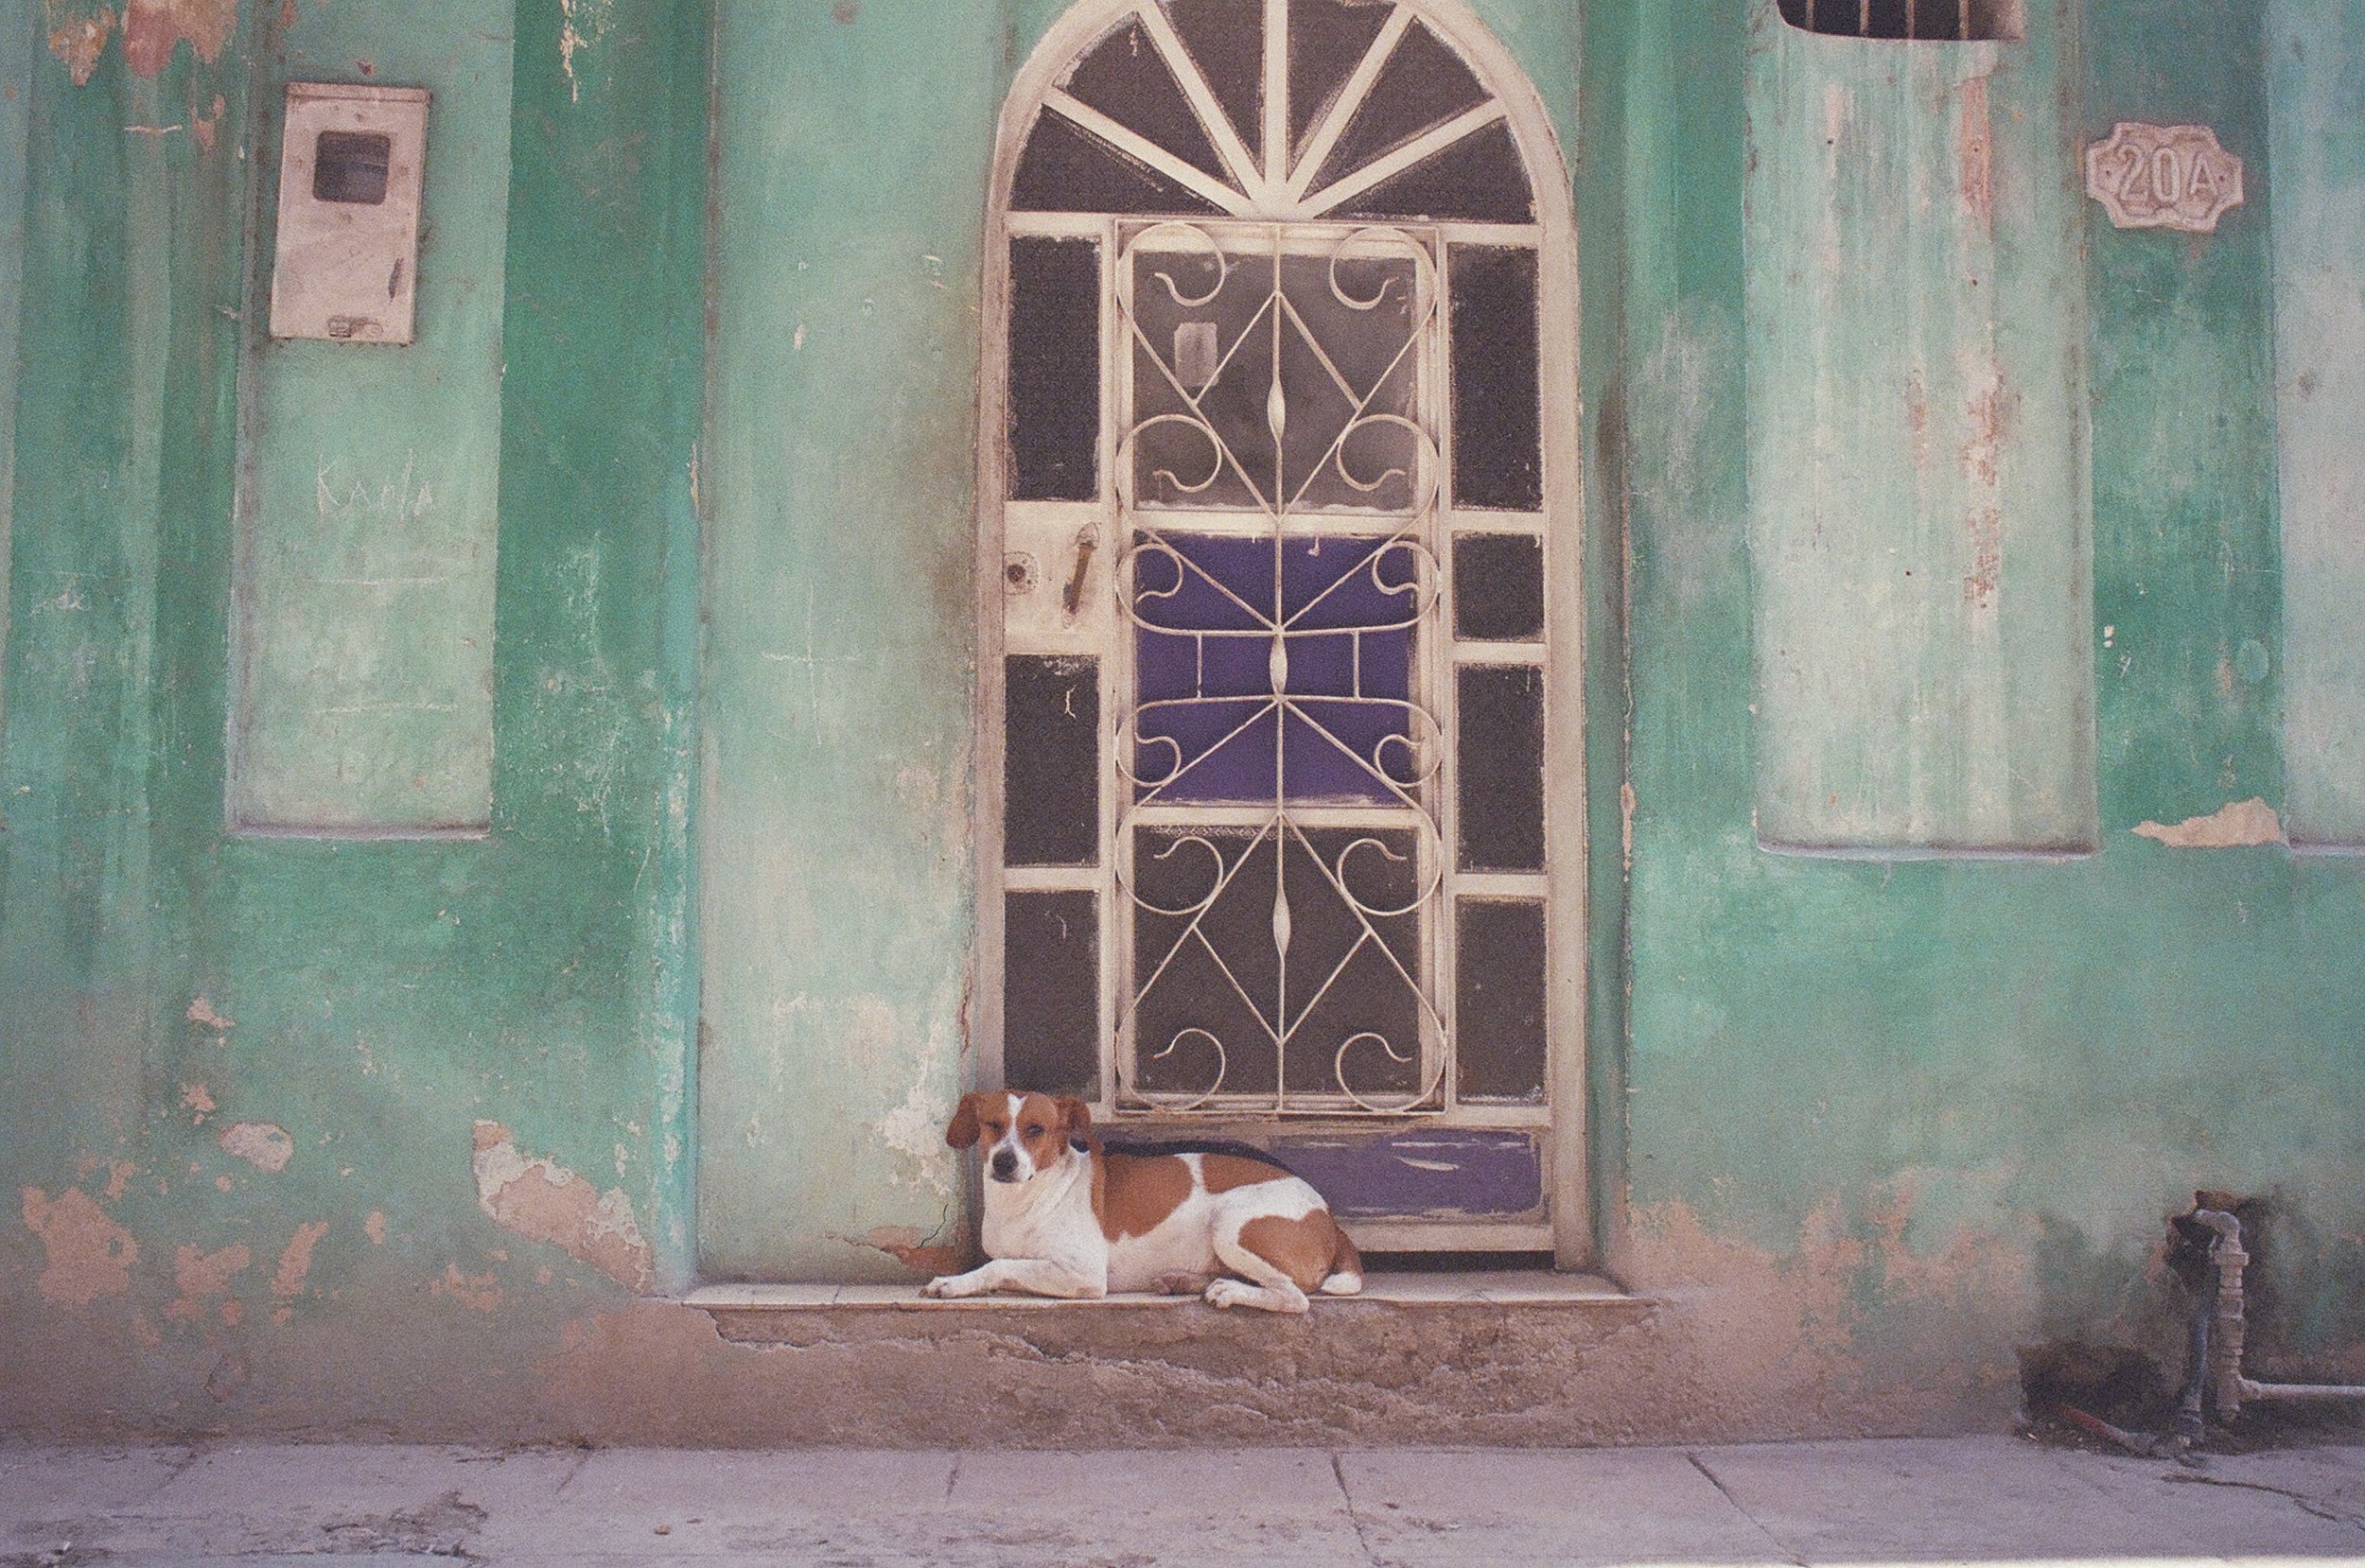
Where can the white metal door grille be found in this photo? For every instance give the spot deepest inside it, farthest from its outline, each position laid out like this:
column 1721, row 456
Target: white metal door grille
column 1278, row 845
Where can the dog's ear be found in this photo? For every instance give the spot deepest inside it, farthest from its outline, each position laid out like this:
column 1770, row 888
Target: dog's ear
column 963, row 1132
column 1075, row 1120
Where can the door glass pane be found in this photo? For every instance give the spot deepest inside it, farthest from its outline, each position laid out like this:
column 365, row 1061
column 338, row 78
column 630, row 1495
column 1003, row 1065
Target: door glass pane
column 1051, row 991
column 1227, row 990
column 1498, row 999
column 1500, row 772
column 1051, row 760
column 1217, row 698
column 1276, row 381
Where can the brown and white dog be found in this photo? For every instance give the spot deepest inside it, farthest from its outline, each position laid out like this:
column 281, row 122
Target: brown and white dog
column 1063, row 1218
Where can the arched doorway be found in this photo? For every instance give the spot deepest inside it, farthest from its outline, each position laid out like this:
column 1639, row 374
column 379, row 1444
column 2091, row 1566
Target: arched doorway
column 1279, row 519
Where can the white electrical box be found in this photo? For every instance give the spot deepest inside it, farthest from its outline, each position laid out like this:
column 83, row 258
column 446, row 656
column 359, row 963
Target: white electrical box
column 351, row 171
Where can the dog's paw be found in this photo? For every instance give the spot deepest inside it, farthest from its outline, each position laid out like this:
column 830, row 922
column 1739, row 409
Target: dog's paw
column 1230, row 1293
column 945, row 1285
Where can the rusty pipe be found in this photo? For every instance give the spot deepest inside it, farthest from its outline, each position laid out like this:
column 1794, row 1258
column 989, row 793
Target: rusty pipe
column 2232, row 1385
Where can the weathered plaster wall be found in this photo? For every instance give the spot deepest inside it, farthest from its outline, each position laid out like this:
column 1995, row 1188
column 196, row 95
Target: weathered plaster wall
column 19, row 44
column 387, row 1137
column 1944, row 1102
column 249, row 1073
column 361, row 619
column 2317, row 119
column 833, row 833
column 1918, row 493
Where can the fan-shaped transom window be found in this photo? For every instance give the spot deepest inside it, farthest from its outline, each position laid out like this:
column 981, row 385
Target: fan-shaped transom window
column 1275, row 565
column 1321, row 109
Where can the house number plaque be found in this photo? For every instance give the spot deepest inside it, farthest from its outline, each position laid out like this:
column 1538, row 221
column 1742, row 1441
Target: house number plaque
column 2164, row 177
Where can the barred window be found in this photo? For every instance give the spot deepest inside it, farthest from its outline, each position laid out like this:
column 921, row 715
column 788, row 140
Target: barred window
column 1932, row 21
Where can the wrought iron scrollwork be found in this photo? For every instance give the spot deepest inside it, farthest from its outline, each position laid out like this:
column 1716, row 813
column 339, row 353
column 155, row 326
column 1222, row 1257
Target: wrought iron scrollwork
column 1239, row 532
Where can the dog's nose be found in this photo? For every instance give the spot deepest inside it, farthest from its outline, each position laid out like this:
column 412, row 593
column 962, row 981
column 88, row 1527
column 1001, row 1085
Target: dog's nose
column 1004, row 1164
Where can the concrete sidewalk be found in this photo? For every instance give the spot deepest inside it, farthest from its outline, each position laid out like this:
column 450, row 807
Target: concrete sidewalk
column 1978, row 1499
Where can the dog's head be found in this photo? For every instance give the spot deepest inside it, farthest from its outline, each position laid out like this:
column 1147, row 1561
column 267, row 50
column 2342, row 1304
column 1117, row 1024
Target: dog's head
column 1024, row 1134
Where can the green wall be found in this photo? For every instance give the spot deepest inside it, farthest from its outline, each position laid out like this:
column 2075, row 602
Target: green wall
column 361, row 620
column 2318, row 166
column 1917, row 496
column 1952, row 1090
column 354, row 1008
column 695, row 1001
column 834, row 830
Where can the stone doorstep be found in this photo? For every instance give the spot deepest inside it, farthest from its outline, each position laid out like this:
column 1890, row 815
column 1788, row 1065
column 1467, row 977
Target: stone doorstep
column 750, row 1312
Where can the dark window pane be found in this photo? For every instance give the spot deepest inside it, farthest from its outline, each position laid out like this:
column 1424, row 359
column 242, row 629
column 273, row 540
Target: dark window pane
column 1067, row 170
column 1126, row 79
column 1051, row 762
column 1226, row 39
column 1998, row 19
column 1888, row 18
column 350, row 166
column 1423, row 83
column 1479, row 178
column 1498, row 411
column 1327, row 40
column 1936, row 20
column 1051, row 992
column 1498, row 587
column 1055, row 370
column 1218, row 970
column 1501, row 787
column 1498, row 999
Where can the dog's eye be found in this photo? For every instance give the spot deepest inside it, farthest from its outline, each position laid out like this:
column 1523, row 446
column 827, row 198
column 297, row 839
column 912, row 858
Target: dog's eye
column 1034, row 1129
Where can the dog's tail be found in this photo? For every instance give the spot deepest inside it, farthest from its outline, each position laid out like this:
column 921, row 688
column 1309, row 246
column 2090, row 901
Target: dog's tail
column 1346, row 1268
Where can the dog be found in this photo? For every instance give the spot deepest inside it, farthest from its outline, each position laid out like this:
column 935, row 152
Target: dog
column 1065, row 1218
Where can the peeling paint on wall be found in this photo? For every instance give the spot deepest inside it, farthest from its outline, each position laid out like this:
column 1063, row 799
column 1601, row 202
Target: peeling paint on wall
column 203, row 1276
column 546, row 1202
column 1917, row 509
column 915, row 1130
column 477, row 1292
column 90, row 1255
column 153, row 28
column 77, row 37
column 2240, row 824
column 584, row 22
column 261, row 1144
column 295, row 1260
column 1794, row 1329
